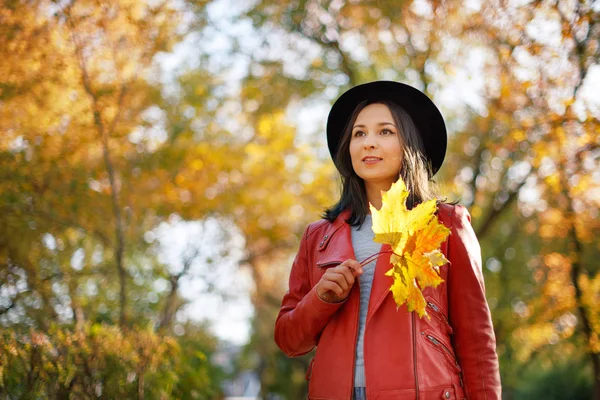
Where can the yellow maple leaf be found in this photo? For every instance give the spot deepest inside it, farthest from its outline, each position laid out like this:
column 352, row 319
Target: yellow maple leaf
column 399, row 289
column 393, row 223
column 420, row 268
column 415, row 237
column 416, row 301
column 386, row 227
column 436, row 258
column 431, row 237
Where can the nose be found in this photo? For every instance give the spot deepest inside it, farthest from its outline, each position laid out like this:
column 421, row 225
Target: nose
column 370, row 142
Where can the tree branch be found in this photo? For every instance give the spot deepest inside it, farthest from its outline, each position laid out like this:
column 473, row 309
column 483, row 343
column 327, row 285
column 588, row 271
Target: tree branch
column 495, row 212
column 170, row 307
column 345, row 63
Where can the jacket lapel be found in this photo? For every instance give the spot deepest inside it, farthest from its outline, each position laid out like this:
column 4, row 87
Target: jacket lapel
column 381, row 282
column 335, row 246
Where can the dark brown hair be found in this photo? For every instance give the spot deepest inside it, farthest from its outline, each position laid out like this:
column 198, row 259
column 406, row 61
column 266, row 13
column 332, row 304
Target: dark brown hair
column 415, row 170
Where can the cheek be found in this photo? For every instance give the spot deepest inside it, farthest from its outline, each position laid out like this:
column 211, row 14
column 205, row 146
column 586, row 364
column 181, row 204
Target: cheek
column 396, row 152
column 354, row 152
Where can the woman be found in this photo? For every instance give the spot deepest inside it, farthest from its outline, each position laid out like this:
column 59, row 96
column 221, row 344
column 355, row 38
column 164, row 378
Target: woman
column 366, row 346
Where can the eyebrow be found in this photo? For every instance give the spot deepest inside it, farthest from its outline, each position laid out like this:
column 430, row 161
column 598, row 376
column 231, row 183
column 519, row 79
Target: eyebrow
column 380, row 124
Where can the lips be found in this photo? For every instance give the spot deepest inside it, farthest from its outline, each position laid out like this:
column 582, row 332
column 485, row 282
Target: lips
column 369, row 160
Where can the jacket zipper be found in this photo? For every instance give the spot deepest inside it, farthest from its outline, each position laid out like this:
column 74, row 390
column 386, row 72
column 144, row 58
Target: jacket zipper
column 440, row 315
column 445, row 319
column 414, row 339
column 437, row 310
column 443, row 346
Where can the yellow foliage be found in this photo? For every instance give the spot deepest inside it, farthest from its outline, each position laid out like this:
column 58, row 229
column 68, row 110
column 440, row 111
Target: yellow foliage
column 197, row 164
column 518, row 135
column 558, row 289
column 533, row 337
column 317, row 62
column 553, row 182
column 552, row 223
column 476, row 211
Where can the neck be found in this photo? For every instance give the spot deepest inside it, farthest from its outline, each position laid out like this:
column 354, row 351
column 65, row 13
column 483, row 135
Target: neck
column 373, row 191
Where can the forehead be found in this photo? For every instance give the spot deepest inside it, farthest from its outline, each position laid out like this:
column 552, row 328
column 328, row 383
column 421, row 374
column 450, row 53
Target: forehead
column 375, row 112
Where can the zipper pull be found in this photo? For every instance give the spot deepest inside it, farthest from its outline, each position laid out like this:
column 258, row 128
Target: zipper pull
column 432, row 339
column 436, row 308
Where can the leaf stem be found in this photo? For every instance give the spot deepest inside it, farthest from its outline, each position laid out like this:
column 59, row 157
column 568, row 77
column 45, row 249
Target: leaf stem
column 373, row 257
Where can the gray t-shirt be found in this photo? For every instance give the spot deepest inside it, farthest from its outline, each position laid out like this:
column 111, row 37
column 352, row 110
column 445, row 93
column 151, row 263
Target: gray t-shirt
column 364, row 246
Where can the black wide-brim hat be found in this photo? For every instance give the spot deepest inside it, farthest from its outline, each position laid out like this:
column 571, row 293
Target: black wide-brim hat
column 422, row 110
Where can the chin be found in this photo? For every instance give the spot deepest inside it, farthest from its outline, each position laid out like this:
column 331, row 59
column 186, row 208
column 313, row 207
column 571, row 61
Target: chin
column 378, row 179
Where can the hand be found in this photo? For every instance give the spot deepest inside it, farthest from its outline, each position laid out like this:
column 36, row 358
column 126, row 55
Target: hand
column 335, row 284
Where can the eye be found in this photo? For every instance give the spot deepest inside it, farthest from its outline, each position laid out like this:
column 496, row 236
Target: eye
column 387, row 132
column 358, row 133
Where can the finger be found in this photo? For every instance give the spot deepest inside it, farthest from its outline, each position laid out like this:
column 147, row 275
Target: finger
column 333, row 287
column 339, row 278
column 354, row 267
column 347, row 273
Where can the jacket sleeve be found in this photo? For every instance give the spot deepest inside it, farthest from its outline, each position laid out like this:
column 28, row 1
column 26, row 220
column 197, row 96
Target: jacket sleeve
column 303, row 315
column 474, row 338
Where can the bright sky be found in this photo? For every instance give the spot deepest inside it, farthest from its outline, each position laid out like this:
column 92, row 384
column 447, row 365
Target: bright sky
column 216, row 287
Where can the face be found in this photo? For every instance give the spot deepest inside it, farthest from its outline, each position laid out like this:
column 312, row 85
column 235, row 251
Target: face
column 375, row 147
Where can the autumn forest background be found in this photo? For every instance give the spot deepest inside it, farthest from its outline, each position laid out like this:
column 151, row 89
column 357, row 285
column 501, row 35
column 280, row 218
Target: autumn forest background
column 150, row 149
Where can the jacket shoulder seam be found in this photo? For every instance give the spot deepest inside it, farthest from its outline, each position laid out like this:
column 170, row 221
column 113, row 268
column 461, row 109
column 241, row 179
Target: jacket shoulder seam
column 313, row 227
column 449, row 208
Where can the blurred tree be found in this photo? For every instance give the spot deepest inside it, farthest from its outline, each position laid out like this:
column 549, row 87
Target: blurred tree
column 77, row 77
column 79, row 127
column 544, row 153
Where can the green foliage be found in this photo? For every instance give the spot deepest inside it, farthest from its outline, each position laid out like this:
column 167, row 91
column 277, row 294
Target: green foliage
column 197, row 378
column 567, row 379
column 103, row 361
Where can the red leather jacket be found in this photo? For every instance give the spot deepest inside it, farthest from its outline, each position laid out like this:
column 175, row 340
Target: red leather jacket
column 450, row 356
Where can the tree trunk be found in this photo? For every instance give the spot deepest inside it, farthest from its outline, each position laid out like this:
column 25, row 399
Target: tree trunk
column 169, row 310
column 141, row 386
column 104, row 133
column 576, row 271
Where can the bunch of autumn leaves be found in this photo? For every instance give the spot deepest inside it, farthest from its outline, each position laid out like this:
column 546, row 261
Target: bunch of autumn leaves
column 415, row 237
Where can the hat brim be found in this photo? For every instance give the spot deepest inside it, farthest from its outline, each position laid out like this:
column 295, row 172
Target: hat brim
column 422, row 110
